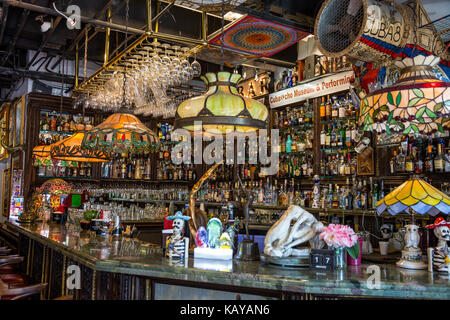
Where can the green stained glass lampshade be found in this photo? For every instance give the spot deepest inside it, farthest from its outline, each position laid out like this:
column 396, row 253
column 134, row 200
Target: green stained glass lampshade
column 121, row 133
column 417, row 103
column 221, row 109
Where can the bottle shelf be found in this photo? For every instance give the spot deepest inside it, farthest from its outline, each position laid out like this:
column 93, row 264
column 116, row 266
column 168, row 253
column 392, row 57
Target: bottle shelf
column 297, row 126
column 338, row 149
column 146, row 181
column 58, row 132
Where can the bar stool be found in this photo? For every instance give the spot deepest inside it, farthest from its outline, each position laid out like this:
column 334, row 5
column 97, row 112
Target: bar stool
column 5, row 251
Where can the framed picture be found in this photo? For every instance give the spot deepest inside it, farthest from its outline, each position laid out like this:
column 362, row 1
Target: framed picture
column 4, row 134
column 6, row 191
column 19, row 119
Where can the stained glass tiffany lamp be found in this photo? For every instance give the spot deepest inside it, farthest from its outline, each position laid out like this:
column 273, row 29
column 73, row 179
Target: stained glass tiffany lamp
column 122, row 133
column 69, row 149
column 417, row 103
column 414, row 196
column 221, row 109
column 41, row 155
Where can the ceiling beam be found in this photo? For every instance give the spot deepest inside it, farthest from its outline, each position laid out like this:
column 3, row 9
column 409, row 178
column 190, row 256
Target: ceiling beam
column 12, row 45
column 4, row 20
column 36, row 75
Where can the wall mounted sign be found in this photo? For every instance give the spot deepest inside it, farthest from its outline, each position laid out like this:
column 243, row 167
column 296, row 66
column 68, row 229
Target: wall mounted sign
column 252, row 88
column 311, row 89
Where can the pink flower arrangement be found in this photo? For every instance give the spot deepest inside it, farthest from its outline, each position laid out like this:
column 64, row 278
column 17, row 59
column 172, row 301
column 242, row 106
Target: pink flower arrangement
column 338, row 235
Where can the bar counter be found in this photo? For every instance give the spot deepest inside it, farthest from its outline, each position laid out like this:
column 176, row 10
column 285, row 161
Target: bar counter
column 133, row 269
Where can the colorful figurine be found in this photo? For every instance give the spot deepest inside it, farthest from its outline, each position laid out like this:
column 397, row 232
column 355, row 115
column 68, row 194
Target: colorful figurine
column 177, row 245
column 214, row 229
column 225, row 241
column 438, row 258
column 201, row 238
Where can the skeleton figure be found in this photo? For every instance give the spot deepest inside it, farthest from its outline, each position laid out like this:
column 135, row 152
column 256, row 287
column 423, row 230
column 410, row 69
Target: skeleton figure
column 282, row 237
column 439, row 257
column 177, row 245
column 412, row 236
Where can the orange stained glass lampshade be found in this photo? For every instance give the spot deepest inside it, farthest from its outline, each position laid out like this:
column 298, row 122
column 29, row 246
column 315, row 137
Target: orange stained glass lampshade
column 417, row 195
column 69, row 149
column 222, row 109
column 41, row 155
column 418, row 103
column 122, row 133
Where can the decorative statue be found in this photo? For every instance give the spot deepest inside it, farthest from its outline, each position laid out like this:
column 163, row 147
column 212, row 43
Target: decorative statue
column 282, row 237
column 412, row 237
column 438, row 258
column 31, row 211
column 214, row 229
column 177, row 245
column 316, row 192
column 387, row 230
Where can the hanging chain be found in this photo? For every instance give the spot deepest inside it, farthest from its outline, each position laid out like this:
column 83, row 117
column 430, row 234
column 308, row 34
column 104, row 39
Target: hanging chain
column 85, row 54
column 222, row 37
column 126, row 46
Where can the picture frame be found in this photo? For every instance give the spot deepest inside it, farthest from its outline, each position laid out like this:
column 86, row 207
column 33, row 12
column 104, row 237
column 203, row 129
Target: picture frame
column 19, row 121
column 4, row 123
column 6, row 192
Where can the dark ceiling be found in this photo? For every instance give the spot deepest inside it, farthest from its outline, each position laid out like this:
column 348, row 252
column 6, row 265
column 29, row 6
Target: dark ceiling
column 21, row 32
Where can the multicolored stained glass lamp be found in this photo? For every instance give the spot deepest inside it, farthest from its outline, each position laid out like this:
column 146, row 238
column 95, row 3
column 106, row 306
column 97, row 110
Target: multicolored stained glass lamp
column 414, row 196
column 121, row 133
column 221, row 109
column 417, row 103
column 69, row 149
column 56, row 187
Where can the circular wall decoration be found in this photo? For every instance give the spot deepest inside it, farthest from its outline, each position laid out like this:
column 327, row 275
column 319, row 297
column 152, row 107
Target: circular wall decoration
column 258, row 37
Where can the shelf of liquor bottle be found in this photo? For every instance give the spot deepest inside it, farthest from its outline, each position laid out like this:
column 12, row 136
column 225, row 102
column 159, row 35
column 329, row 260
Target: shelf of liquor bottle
column 175, row 202
column 297, row 152
column 353, row 212
column 143, row 221
column 297, row 126
column 69, row 133
column 45, row 178
column 338, row 149
column 334, row 120
column 146, row 181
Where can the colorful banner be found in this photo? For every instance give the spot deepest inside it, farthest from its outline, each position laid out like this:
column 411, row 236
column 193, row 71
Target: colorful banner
column 312, row 89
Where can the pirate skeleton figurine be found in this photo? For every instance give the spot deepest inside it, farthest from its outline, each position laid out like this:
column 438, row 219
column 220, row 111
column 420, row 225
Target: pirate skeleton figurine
column 438, row 258
column 177, row 245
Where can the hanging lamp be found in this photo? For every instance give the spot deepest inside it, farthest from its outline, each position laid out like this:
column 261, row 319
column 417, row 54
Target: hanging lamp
column 221, row 109
column 69, row 149
column 121, row 132
column 417, row 103
column 41, row 155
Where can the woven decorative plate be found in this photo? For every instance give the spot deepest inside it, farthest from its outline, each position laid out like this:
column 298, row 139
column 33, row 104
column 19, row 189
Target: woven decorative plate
column 258, row 37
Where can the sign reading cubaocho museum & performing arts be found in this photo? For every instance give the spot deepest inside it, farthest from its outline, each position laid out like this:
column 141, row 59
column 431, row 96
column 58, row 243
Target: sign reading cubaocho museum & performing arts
column 312, row 89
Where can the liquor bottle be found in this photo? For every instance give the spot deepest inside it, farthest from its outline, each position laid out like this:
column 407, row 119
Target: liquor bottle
column 439, row 158
column 53, row 122
column 374, row 195
column 335, row 109
column 289, row 144
column 400, row 162
column 323, row 137
column 393, row 164
column 364, row 196
column 409, row 162
column 342, row 110
column 323, row 115
column 429, row 163
column 328, row 108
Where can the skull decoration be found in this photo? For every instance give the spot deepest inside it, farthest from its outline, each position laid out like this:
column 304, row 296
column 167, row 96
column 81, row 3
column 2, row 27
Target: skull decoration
column 177, row 245
column 438, row 258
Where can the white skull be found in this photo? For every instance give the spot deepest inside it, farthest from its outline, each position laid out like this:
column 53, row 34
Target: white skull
column 442, row 233
column 178, row 225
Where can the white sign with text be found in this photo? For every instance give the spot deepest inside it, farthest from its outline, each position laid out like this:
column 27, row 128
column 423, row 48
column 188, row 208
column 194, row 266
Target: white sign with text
column 315, row 88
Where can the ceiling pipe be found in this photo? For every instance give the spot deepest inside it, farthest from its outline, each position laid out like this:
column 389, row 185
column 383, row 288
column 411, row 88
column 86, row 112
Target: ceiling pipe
column 52, row 12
